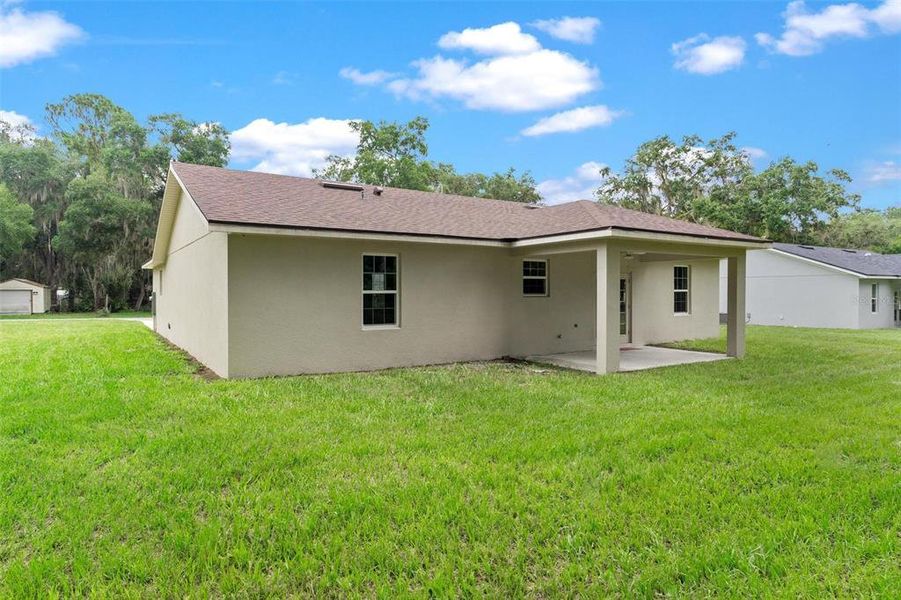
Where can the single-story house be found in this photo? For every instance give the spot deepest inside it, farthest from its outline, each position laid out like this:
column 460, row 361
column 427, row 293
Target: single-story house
column 24, row 297
column 814, row 286
column 257, row 274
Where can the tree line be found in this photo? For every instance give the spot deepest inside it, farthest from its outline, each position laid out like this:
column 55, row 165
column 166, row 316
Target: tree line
column 714, row 182
column 78, row 208
column 711, row 182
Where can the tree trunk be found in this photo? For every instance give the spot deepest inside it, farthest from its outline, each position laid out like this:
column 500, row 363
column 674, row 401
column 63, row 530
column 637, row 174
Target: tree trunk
column 141, row 293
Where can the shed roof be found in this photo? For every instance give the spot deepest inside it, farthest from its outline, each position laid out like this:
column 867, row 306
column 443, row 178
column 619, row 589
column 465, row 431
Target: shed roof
column 862, row 262
column 262, row 199
column 25, row 281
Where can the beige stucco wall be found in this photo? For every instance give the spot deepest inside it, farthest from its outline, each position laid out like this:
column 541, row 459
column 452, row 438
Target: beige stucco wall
column 653, row 320
column 191, row 290
column 41, row 296
column 188, row 226
column 295, row 305
column 564, row 321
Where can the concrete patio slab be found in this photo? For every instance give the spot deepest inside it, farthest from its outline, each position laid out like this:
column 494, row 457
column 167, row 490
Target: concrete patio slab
column 631, row 358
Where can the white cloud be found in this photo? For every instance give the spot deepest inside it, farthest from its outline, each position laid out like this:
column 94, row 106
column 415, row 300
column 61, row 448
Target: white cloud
column 887, row 16
column 754, row 153
column 576, row 119
column 806, row 32
column 581, row 185
column 14, row 118
column 518, row 74
column 505, row 38
column 27, row 36
column 705, row 56
column 21, row 127
column 283, row 78
column 361, row 78
column 292, row 149
column 535, row 81
column 579, row 30
column 884, row 172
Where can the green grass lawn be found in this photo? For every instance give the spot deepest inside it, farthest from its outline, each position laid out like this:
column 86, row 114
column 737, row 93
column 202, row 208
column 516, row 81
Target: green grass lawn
column 123, row 473
column 125, row 314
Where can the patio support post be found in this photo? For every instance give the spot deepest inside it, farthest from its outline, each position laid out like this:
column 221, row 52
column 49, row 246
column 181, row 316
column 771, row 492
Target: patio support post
column 607, row 320
column 735, row 318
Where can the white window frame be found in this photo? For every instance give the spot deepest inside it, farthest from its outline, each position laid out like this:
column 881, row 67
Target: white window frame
column 874, row 298
column 396, row 292
column 687, row 291
column 547, row 289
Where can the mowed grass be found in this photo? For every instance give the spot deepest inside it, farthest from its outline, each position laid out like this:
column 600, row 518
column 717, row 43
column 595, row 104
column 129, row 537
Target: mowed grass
column 124, row 474
column 125, row 314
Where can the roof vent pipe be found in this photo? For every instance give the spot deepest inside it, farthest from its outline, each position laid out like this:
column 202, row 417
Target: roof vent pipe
column 378, row 190
column 340, row 185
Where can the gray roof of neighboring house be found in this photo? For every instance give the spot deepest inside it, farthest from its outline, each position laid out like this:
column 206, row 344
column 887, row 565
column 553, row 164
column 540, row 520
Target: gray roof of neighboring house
column 864, row 262
column 250, row 198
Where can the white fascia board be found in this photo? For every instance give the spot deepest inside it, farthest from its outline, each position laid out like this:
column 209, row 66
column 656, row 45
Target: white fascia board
column 168, row 212
column 649, row 236
column 599, row 235
column 350, row 235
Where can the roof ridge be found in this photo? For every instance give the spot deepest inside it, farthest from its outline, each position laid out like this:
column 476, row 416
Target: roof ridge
column 589, row 208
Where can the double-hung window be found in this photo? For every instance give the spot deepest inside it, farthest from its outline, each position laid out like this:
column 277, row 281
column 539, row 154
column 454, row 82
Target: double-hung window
column 681, row 286
column 534, row 278
column 874, row 298
column 380, row 302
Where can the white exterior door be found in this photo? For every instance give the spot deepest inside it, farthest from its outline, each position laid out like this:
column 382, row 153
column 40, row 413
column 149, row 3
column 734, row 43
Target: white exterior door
column 15, row 302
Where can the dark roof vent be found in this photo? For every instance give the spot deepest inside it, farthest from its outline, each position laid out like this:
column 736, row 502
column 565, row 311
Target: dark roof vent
column 849, row 251
column 534, row 206
column 807, row 247
column 378, row 190
column 340, row 185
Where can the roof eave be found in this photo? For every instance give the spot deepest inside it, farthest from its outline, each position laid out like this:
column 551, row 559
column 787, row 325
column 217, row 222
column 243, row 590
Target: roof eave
column 586, row 234
column 168, row 211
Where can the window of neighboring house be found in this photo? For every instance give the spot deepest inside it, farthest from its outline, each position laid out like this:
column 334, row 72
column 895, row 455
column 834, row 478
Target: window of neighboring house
column 534, row 278
column 380, row 305
column 874, row 298
column 681, row 283
column 897, row 305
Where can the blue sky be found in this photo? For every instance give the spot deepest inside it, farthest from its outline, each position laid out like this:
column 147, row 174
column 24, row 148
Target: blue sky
column 820, row 81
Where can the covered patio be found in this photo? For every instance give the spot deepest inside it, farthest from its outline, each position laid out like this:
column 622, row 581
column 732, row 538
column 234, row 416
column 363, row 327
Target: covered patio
column 648, row 289
column 631, row 358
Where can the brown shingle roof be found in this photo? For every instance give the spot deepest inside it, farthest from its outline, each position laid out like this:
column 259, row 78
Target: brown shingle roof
column 250, row 198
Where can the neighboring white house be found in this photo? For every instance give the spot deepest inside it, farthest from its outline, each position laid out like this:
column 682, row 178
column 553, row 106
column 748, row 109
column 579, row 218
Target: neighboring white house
column 257, row 274
column 814, row 286
column 23, row 297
